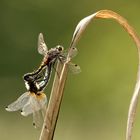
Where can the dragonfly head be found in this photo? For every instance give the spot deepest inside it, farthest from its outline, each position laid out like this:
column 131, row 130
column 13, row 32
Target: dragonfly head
column 28, row 77
column 59, row 48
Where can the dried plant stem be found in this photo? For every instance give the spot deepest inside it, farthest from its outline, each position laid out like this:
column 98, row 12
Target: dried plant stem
column 112, row 15
column 59, row 83
column 134, row 100
column 54, row 104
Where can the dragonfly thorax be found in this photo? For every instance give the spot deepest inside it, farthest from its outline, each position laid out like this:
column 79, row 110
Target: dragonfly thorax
column 32, row 86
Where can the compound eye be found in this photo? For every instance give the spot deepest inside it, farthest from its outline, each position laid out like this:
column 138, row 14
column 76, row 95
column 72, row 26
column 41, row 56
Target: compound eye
column 60, row 48
column 27, row 78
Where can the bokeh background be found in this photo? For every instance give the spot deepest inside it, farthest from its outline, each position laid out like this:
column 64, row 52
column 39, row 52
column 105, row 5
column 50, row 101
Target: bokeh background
column 96, row 101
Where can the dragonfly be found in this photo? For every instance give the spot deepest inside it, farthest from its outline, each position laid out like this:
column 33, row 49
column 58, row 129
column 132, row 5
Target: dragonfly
column 54, row 54
column 34, row 100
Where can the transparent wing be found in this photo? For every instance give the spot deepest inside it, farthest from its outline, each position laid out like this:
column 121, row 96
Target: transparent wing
column 73, row 52
column 38, row 116
column 35, row 103
column 37, row 119
column 27, row 109
column 19, row 103
column 74, row 68
column 42, row 47
column 43, row 111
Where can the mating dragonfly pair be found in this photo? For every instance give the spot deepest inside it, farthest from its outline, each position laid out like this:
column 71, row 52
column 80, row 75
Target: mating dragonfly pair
column 34, row 100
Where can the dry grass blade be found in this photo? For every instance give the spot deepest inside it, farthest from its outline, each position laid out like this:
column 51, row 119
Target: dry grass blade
column 54, row 104
column 52, row 111
column 110, row 14
column 59, row 83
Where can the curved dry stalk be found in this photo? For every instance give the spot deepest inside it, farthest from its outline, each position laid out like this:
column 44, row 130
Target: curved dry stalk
column 110, row 14
column 59, row 83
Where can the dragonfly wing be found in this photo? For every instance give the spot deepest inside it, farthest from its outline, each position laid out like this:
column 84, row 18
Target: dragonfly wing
column 34, row 104
column 19, row 103
column 27, row 109
column 73, row 52
column 37, row 119
column 38, row 116
column 74, row 68
column 31, row 106
column 42, row 47
column 43, row 111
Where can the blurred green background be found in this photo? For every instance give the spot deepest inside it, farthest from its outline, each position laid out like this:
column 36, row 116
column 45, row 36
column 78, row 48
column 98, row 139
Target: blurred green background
column 96, row 101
